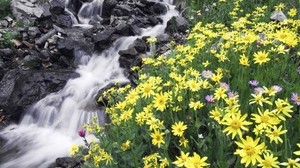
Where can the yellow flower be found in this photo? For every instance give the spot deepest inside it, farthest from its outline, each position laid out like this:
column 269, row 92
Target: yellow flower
column 244, row 60
column 261, row 57
column 291, row 163
column 275, row 133
column 235, row 124
column 151, row 40
column 215, row 114
column 265, row 119
column 178, row 128
column 195, row 105
column 259, row 99
column 269, row 161
column 157, row 138
column 74, row 149
column 182, row 160
column 196, row 161
column 292, row 12
column 220, row 93
column 249, row 150
column 193, row 85
column 183, row 142
column 126, row 145
column 283, row 107
column 147, row 89
column 297, row 152
column 160, row 101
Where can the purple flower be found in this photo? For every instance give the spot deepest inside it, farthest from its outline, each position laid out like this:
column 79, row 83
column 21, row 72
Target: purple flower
column 295, row 98
column 298, row 70
column 277, row 88
column 225, row 85
column 206, row 74
column 253, row 83
column 233, row 94
column 81, row 133
column 258, row 90
column 209, row 98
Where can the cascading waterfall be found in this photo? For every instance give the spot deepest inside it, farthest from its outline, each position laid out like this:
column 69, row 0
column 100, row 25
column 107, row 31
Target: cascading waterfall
column 50, row 127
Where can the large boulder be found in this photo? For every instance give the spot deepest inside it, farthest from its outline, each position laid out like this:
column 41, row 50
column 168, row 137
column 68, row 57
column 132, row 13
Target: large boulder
column 19, row 89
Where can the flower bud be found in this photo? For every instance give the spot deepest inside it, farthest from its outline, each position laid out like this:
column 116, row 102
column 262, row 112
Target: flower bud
column 81, row 133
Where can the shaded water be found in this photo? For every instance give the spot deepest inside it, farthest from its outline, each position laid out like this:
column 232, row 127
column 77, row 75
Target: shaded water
column 50, row 127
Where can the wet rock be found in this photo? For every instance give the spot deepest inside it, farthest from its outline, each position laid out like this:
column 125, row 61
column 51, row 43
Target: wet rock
column 68, row 162
column 4, row 23
column 107, row 7
column 139, row 45
column 62, row 20
column 122, row 10
column 26, row 11
column 32, row 62
column 41, row 41
column 177, row 24
column 103, row 39
column 19, row 89
column 129, row 53
column 57, row 7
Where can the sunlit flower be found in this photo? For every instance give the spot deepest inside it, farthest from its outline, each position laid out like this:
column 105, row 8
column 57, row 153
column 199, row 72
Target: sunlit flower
column 244, row 60
column 74, row 149
column 297, row 152
column 160, row 101
column 225, row 85
column 182, row 160
column 157, row 138
column 126, row 145
column 249, row 150
column 291, row 163
column 183, row 142
column 265, row 118
column 261, row 57
column 269, row 161
column 259, row 99
column 235, row 124
column 292, row 12
column 178, row 128
column 274, row 134
column 196, row 161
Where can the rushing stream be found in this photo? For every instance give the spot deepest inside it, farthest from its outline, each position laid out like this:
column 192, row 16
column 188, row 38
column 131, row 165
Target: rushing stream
column 50, row 127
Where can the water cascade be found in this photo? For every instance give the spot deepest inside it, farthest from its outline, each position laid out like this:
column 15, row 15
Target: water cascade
column 50, row 127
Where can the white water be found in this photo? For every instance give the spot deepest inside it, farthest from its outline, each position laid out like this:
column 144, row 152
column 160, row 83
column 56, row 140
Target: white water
column 48, row 130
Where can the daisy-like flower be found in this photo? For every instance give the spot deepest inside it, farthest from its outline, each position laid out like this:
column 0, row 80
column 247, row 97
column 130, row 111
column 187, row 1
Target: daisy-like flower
column 297, row 152
column 249, row 150
column 275, row 133
column 295, row 98
column 259, row 90
column 157, row 138
column 291, row 163
column 160, row 101
column 292, row 12
column 209, row 98
column 261, row 57
column 235, row 124
column 265, row 119
column 178, row 128
column 259, row 99
column 244, row 60
column 126, row 145
column 225, row 85
column 74, row 149
column 182, row 160
column 206, row 74
column 253, row 83
column 269, row 161
column 196, row 161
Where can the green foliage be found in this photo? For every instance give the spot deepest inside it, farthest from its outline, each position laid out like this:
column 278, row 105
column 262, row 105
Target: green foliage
column 5, row 8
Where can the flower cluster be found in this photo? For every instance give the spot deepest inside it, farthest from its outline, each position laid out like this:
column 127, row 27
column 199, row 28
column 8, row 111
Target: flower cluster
column 228, row 92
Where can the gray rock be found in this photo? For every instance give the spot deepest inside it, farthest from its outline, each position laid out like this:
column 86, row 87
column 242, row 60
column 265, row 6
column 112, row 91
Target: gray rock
column 176, row 25
column 107, row 7
column 19, row 89
column 34, row 32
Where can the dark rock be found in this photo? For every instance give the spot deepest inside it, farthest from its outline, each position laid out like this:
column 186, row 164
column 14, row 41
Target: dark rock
column 139, row 45
column 66, row 46
column 68, row 162
column 57, row 7
column 122, row 10
column 6, row 54
column 103, row 39
column 129, row 53
column 107, row 7
column 32, row 61
column 25, row 36
column 19, row 88
column 34, row 32
column 45, row 55
column 41, row 41
column 124, row 29
column 177, row 24
column 152, row 8
column 63, row 20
